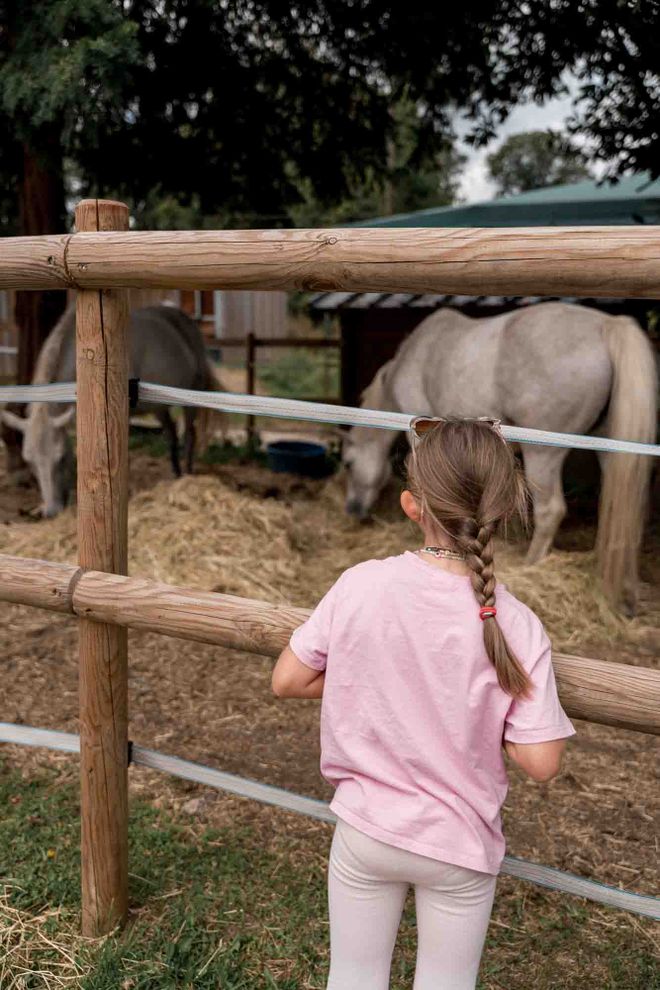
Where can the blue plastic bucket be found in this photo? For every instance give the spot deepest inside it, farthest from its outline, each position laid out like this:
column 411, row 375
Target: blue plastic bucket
column 298, row 457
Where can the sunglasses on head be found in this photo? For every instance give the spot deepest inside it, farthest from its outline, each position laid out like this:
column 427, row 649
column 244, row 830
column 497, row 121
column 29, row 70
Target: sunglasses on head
column 421, row 425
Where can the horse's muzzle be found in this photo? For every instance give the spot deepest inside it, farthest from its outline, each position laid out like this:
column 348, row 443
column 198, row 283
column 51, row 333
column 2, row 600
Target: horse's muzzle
column 52, row 510
column 356, row 509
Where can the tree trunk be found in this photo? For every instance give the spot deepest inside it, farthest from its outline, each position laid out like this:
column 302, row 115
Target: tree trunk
column 388, row 184
column 42, row 211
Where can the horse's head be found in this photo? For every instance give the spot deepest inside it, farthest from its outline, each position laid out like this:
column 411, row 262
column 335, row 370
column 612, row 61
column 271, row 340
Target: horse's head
column 46, row 449
column 365, row 455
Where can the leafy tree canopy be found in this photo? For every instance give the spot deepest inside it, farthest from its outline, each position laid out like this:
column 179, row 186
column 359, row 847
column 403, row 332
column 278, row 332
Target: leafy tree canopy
column 535, row 159
column 251, row 107
column 612, row 48
column 400, row 187
column 237, row 105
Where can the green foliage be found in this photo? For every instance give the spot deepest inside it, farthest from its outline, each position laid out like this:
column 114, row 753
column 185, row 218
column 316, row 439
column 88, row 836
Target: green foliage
column 230, row 453
column 65, row 71
column 152, row 442
column 535, row 159
column 264, row 114
column 416, row 176
column 66, row 63
column 612, row 47
column 149, row 441
column 302, row 373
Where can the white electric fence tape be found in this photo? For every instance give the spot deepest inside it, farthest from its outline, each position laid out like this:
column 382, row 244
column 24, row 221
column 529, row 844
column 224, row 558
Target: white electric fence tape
column 318, row 412
column 544, row 876
column 56, row 392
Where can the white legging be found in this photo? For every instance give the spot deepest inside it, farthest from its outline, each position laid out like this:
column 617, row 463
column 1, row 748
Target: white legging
column 367, row 885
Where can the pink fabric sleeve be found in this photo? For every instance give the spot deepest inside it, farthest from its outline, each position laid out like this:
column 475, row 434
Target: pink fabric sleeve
column 311, row 641
column 540, row 717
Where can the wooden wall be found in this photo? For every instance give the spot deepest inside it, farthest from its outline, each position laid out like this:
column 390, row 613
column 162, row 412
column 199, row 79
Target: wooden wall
column 240, row 312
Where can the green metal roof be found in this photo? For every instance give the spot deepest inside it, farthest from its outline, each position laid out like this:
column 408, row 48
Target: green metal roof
column 634, row 199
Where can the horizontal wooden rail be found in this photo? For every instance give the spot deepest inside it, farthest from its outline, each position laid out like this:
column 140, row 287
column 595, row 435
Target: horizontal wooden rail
column 595, row 690
column 574, row 261
column 25, row 581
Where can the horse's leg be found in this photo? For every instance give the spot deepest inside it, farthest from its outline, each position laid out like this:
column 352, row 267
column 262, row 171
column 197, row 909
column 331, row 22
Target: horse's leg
column 543, row 469
column 169, row 429
column 190, row 437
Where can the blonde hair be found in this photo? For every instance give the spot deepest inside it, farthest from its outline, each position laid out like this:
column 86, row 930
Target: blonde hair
column 467, row 482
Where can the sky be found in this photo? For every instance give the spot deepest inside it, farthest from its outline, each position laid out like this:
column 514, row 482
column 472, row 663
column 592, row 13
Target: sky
column 475, row 183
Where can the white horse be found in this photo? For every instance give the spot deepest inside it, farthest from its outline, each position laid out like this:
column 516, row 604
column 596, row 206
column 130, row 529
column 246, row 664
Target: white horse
column 553, row 366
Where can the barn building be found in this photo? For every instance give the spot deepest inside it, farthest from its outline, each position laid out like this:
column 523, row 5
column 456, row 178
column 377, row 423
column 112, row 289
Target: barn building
column 373, row 324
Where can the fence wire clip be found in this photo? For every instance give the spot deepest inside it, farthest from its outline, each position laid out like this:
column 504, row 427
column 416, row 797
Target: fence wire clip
column 133, row 392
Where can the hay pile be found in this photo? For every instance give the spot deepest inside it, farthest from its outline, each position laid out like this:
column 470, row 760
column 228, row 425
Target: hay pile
column 49, row 937
column 200, row 532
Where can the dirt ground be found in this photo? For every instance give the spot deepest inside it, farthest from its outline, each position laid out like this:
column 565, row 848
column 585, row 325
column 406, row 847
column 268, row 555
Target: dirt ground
column 598, row 819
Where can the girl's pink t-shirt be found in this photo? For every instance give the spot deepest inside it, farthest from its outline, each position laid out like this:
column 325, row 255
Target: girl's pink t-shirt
column 412, row 716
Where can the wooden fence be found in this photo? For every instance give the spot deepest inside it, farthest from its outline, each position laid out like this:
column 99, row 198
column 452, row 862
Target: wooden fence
column 595, row 690
column 8, row 354
column 251, row 343
column 102, row 260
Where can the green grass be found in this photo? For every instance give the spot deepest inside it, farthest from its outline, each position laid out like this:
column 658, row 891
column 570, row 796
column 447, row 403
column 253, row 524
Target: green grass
column 207, row 909
column 302, row 373
column 215, row 908
column 231, row 453
column 152, row 442
column 148, row 441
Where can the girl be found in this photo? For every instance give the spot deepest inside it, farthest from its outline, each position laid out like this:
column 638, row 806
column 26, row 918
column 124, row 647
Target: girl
column 426, row 674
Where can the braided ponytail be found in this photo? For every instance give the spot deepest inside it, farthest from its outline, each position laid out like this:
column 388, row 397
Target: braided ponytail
column 467, row 481
column 477, row 544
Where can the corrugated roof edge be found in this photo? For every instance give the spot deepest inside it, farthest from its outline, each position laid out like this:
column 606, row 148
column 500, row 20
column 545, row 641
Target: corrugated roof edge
column 387, row 300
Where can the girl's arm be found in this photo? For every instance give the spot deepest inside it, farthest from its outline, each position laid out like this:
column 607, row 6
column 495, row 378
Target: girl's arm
column 541, row 761
column 294, row 679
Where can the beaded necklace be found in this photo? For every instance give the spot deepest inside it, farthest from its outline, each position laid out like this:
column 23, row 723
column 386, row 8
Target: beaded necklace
column 443, row 552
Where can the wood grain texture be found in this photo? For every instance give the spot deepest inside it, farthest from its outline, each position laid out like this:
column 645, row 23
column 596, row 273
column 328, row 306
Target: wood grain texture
column 37, row 582
column 595, row 690
column 601, row 261
column 34, row 262
column 575, row 261
column 203, row 616
column 102, row 437
column 615, row 694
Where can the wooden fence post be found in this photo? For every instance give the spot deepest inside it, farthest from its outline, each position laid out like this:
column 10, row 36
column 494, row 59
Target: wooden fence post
column 102, row 428
column 251, row 385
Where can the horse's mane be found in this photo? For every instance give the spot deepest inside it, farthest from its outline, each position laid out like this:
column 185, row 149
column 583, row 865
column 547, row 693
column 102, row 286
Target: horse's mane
column 49, row 355
column 374, row 394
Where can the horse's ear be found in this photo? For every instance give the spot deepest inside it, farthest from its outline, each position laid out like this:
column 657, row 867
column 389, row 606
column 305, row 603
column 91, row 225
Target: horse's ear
column 64, row 418
column 13, row 421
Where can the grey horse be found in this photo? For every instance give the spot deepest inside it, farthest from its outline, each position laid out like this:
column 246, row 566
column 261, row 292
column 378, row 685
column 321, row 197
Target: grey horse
column 553, row 366
column 166, row 347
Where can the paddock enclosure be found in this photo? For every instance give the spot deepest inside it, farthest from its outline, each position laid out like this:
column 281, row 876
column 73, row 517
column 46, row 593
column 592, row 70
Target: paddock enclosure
column 102, row 261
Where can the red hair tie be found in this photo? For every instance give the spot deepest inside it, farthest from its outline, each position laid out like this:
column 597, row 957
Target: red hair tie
column 487, row 612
